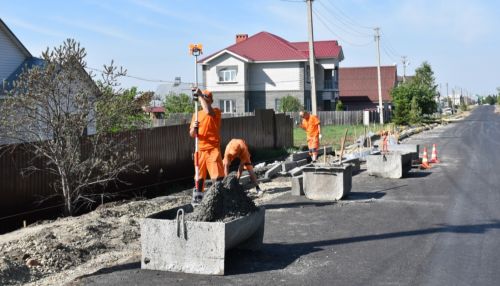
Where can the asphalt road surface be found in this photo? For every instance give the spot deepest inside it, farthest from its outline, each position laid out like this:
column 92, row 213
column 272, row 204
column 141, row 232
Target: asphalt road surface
column 434, row 227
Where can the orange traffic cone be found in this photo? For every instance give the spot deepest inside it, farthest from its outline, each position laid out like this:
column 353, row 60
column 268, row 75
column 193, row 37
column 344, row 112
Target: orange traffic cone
column 425, row 162
column 434, row 156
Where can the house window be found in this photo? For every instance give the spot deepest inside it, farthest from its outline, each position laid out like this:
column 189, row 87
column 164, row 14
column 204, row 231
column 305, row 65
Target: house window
column 228, row 106
column 277, row 103
column 227, row 73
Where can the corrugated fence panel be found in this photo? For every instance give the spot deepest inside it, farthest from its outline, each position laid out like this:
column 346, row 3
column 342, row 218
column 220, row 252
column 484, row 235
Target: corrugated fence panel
column 167, row 151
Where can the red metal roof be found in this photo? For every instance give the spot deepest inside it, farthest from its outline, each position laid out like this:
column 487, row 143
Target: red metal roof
column 154, row 109
column 322, row 49
column 362, row 82
column 265, row 46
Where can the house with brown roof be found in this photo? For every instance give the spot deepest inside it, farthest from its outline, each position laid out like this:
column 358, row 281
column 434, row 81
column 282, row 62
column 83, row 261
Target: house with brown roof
column 257, row 71
column 359, row 86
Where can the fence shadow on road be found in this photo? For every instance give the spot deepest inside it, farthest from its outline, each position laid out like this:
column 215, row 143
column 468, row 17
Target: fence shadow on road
column 276, row 256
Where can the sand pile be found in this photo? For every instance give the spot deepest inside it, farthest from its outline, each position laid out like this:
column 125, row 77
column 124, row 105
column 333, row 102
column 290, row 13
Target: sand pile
column 224, row 201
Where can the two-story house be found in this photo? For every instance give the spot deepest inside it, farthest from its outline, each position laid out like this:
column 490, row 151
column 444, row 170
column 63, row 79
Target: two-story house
column 257, row 71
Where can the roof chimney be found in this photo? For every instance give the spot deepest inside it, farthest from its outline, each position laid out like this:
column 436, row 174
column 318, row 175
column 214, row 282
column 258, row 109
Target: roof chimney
column 241, row 37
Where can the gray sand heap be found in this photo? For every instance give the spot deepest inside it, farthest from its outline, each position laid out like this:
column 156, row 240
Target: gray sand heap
column 224, row 201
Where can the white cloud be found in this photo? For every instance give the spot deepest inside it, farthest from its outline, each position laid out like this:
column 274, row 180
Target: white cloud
column 31, row 27
column 104, row 30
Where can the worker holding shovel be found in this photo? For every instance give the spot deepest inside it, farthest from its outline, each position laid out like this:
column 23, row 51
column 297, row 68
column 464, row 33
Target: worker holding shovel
column 311, row 124
column 238, row 149
column 207, row 129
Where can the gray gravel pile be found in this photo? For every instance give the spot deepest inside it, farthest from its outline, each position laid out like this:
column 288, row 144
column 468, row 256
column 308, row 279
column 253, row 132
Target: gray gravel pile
column 224, row 201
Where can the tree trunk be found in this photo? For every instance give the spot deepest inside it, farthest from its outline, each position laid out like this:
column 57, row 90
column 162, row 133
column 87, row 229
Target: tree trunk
column 68, row 208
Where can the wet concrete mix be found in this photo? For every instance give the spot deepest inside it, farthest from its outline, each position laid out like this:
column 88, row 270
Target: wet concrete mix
column 224, row 201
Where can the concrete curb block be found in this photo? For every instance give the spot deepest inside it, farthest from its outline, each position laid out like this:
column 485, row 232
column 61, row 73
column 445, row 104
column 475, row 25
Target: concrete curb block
column 297, row 186
column 301, row 163
column 298, row 156
column 273, row 171
column 287, row 166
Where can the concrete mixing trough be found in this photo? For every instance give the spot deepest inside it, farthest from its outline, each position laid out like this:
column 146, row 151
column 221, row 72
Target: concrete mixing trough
column 392, row 165
column 170, row 243
column 405, row 148
column 325, row 182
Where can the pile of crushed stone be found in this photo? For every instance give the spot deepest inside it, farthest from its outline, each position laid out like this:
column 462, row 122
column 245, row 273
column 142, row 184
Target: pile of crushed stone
column 224, row 201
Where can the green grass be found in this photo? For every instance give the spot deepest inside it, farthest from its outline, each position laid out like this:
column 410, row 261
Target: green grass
column 333, row 134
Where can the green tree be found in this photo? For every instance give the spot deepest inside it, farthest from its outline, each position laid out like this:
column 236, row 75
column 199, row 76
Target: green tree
column 290, row 104
column 416, row 97
column 127, row 109
column 181, row 103
column 424, row 81
column 401, row 98
column 489, row 100
column 415, row 115
column 339, row 106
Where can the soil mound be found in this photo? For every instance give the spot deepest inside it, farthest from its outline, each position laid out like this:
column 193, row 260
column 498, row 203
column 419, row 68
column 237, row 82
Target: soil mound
column 224, row 201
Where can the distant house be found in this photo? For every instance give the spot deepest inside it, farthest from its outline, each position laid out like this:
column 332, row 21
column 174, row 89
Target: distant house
column 13, row 58
column 257, row 71
column 359, row 86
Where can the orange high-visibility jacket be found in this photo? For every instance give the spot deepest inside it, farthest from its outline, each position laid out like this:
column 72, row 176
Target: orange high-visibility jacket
column 311, row 126
column 208, row 129
column 237, row 148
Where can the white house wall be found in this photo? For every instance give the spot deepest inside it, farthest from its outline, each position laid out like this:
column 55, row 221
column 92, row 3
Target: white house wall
column 275, row 76
column 10, row 56
column 212, row 78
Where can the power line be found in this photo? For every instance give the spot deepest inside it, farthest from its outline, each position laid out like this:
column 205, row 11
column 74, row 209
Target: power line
column 135, row 77
column 319, row 17
column 347, row 25
column 348, row 18
column 390, row 46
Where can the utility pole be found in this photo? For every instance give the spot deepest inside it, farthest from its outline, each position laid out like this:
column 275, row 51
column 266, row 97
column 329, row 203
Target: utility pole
column 311, row 57
column 447, row 92
column 405, row 64
column 380, row 107
column 453, row 101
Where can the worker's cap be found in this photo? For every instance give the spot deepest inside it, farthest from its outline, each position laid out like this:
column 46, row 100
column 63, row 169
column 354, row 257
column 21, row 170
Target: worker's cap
column 207, row 93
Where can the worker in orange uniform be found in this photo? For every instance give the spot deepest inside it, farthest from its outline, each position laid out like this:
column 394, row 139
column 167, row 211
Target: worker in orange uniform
column 311, row 124
column 208, row 129
column 238, row 149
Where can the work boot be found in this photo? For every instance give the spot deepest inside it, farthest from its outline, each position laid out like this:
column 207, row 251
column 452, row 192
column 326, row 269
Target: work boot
column 197, row 197
column 258, row 191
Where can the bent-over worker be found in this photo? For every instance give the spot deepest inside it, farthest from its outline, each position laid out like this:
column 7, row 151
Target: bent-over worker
column 238, row 149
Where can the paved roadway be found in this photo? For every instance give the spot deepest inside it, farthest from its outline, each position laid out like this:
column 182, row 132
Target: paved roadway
column 435, row 227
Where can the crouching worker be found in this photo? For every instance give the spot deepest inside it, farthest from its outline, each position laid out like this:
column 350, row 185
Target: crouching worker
column 310, row 123
column 238, row 149
column 207, row 128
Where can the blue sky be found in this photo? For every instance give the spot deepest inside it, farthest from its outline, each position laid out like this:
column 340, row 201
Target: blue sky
column 150, row 38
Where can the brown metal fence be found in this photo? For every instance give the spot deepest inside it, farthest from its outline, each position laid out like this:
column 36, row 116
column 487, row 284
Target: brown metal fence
column 354, row 117
column 166, row 150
